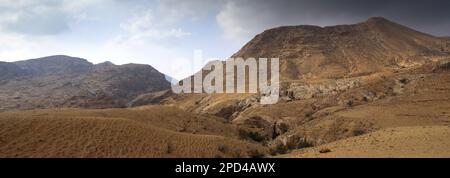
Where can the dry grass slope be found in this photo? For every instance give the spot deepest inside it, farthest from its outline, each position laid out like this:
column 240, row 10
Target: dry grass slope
column 114, row 133
column 431, row 141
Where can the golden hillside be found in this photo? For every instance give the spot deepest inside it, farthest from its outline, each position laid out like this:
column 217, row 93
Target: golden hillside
column 401, row 142
column 142, row 132
column 372, row 89
column 354, row 80
column 311, row 52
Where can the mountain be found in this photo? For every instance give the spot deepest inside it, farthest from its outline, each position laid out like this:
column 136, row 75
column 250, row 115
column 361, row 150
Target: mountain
column 63, row 81
column 338, row 82
column 10, row 70
column 375, row 88
column 319, row 61
column 344, row 50
column 55, row 65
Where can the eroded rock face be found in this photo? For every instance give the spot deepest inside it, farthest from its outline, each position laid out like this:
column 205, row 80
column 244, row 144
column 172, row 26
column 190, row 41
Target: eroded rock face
column 150, row 98
column 232, row 111
column 298, row 91
column 443, row 66
column 446, row 46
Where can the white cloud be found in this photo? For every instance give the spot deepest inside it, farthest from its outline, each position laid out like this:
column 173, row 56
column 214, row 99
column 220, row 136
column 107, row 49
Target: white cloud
column 138, row 31
column 15, row 47
column 42, row 17
column 162, row 21
column 162, row 57
column 36, row 28
column 174, row 10
column 229, row 19
column 32, row 17
column 242, row 20
column 144, row 25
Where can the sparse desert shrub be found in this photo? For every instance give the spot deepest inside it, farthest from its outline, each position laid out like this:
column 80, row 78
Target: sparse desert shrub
column 169, row 148
column 223, row 148
column 350, row 103
column 283, row 127
column 272, row 152
column 237, row 154
column 305, row 144
column 403, row 81
column 251, row 135
column 308, row 114
column 255, row 153
column 324, row 150
column 358, row 132
column 280, row 148
column 365, row 99
column 279, row 129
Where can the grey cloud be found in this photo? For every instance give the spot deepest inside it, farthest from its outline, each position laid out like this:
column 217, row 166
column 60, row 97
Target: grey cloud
column 254, row 16
column 44, row 17
column 49, row 23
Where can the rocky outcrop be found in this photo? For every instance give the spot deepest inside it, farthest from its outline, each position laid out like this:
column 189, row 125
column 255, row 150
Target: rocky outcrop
column 442, row 66
column 298, row 91
column 150, row 98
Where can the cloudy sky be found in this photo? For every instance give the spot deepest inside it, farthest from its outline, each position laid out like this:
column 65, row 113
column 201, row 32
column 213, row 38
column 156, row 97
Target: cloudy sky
column 165, row 33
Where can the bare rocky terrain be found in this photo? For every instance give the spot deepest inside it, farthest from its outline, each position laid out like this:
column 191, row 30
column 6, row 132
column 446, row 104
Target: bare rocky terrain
column 63, row 81
column 379, row 73
column 372, row 89
column 403, row 142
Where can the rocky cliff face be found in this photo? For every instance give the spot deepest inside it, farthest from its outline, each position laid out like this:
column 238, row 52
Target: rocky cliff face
column 63, row 81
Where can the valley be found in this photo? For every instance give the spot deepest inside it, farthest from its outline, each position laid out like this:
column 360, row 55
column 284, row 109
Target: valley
column 371, row 89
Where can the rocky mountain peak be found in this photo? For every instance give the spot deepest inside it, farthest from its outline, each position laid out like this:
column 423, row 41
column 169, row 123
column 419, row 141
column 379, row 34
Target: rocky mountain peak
column 64, row 81
column 55, row 65
column 344, row 50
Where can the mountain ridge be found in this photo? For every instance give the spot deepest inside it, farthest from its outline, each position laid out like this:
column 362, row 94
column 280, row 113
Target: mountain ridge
column 342, row 50
column 373, row 88
column 64, row 81
column 326, row 71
